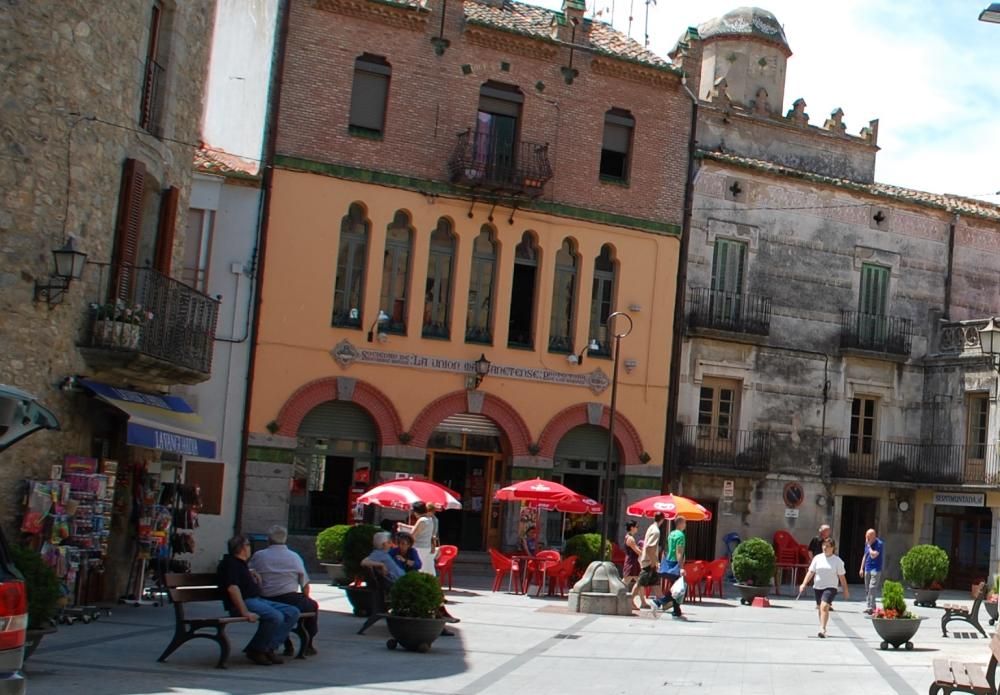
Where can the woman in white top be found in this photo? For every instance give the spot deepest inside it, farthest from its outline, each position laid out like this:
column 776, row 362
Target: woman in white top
column 423, row 534
column 828, row 570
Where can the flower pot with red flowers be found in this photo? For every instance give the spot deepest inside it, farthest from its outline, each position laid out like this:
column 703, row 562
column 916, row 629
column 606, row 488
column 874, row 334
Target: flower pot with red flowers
column 893, row 622
column 990, row 604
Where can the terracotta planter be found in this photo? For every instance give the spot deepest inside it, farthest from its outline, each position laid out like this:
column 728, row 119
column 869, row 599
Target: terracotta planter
column 748, row 592
column 117, row 334
column 897, row 632
column 926, row 598
column 415, row 634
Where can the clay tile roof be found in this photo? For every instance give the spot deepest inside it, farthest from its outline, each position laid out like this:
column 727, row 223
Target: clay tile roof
column 942, row 201
column 224, row 164
column 536, row 22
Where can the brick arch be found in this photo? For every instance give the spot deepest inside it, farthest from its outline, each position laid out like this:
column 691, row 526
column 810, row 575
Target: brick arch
column 626, row 435
column 374, row 402
column 496, row 409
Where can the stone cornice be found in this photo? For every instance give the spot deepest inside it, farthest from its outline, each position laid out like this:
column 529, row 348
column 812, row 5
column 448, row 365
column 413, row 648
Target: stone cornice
column 509, row 43
column 401, row 16
column 633, row 72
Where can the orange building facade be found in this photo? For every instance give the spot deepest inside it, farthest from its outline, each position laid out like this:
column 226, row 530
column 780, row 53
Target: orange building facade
column 433, row 205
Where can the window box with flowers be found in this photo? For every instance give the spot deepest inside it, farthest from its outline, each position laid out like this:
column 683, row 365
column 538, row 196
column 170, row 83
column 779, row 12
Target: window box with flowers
column 119, row 325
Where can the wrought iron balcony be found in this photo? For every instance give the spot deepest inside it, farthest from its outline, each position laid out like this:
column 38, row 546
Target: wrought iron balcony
column 914, row 463
column 152, row 328
column 482, row 161
column 729, row 311
column 875, row 333
column 703, row 446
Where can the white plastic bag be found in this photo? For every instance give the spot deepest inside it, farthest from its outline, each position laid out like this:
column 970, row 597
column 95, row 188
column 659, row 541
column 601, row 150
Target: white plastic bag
column 679, row 589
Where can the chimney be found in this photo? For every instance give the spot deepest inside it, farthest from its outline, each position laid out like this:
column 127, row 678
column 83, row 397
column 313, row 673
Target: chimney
column 687, row 55
column 572, row 29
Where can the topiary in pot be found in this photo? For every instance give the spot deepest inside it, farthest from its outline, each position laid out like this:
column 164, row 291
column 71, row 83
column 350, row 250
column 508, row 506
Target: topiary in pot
column 923, row 565
column 414, row 600
column 586, row 547
column 330, row 543
column 42, row 585
column 753, row 562
column 357, row 546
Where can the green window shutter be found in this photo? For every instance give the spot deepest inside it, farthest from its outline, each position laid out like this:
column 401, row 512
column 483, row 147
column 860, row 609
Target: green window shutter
column 874, row 289
column 728, row 266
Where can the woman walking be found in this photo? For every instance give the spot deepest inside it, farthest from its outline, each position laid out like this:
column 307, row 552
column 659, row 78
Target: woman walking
column 827, row 569
column 630, row 568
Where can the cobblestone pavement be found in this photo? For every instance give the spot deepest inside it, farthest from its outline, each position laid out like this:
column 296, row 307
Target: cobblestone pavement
column 511, row 644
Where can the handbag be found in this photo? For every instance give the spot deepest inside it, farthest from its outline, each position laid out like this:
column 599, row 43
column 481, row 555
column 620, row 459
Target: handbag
column 678, row 590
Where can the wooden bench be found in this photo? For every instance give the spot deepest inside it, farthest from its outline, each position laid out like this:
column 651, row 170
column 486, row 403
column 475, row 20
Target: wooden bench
column 204, row 588
column 965, row 615
column 961, row 677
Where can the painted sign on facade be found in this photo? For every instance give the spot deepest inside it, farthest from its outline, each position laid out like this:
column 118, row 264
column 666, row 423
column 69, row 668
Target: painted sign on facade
column 960, row 499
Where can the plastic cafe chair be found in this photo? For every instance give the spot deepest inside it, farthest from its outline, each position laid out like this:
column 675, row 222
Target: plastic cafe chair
column 716, row 578
column 695, row 573
column 444, row 563
column 560, row 576
column 538, row 567
column 502, row 567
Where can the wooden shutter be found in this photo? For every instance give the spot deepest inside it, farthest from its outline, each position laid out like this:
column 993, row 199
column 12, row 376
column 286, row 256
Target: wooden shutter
column 874, row 289
column 128, row 227
column 728, row 266
column 165, row 230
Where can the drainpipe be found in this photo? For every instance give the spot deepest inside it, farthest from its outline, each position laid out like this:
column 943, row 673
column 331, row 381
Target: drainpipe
column 677, row 338
column 271, row 136
column 951, row 258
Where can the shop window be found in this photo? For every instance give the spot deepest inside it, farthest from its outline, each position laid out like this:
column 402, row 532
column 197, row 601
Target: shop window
column 369, row 95
column 437, row 289
column 207, row 476
column 564, row 298
column 396, row 273
column 718, row 410
column 479, row 322
column 349, row 286
column 616, row 145
column 198, row 248
column 602, row 300
column 522, row 296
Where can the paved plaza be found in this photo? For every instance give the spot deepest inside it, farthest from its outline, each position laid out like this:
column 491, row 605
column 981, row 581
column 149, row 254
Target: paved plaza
column 513, row 644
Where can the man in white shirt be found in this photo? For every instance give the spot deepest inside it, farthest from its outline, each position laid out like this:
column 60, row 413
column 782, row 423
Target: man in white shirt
column 282, row 578
column 649, row 561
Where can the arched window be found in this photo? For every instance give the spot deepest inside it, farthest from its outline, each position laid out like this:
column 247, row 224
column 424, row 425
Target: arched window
column 602, row 300
column 349, row 288
column 437, row 290
column 396, row 273
column 522, row 294
column 563, row 298
column 479, row 323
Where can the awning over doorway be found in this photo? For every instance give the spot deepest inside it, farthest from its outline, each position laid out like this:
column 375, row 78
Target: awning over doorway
column 163, row 422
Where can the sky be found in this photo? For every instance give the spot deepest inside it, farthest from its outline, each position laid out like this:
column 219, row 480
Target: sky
column 927, row 69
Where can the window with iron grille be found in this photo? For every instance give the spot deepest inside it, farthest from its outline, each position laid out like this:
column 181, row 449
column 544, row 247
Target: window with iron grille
column 396, row 273
column 479, row 322
column 352, row 254
column 602, row 300
column 564, row 298
column 616, row 145
column 437, row 290
column 369, row 94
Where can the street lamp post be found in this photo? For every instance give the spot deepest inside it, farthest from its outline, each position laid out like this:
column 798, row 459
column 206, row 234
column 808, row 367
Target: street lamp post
column 611, row 425
column 989, row 343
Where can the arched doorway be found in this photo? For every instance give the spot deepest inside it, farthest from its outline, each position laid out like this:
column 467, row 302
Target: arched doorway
column 332, row 465
column 579, row 464
column 465, row 453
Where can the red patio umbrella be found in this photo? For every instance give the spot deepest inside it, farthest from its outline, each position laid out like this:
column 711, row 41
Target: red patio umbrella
column 401, row 494
column 576, row 504
column 671, row 506
column 535, row 490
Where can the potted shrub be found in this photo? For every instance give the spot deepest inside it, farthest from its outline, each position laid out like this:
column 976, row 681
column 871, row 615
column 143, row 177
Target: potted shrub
column 586, row 547
column 357, row 546
column 330, row 551
column 414, row 600
column 893, row 622
column 44, row 595
column 924, row 568
column 753, row 566
column 991, row 601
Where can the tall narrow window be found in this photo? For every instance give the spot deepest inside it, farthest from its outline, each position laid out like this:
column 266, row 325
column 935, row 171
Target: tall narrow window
column 496, row 131
column 617, row 144
column 872, row 324
column 349, row 288
column 369, row 94
column 479, row 322
column 717, row 409
column 437, row 290
column 978, row 411
column 602, row 300
column 396, row 273
column 563, row 299
column 522, row 295
column 862, row 445
column 197, row 248
column 153, row 73
column 728, row 269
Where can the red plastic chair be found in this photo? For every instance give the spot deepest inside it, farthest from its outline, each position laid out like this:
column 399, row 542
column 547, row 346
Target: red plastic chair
column 444, row 563
column 716, row 577
column 502, row 566
column 560, row 576
column 695, row 573
column 538, row 568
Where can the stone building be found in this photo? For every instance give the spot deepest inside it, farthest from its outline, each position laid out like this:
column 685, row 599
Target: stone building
column 456, row 181
column 101, row 103
column 830, row 365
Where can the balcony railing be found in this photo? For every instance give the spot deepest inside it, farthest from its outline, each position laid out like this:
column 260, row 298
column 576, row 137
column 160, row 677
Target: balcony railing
column 875, row 333
column 152, row 315
column 960, row 338
column 703, row 446
column 481, row 160
column 953, row 464
column 149, row 110
column 729, row 311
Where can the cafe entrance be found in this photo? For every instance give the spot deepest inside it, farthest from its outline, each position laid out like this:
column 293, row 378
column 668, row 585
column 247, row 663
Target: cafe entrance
column 465, row 454
column 964, row 533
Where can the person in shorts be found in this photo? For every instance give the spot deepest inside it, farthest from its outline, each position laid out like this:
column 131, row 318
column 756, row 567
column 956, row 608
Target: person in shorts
column 648, row 561
column 825, row 572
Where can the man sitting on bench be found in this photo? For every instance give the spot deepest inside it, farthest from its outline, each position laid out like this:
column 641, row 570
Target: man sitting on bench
column 283, row 578
column 242, row 599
